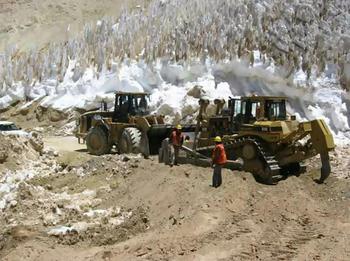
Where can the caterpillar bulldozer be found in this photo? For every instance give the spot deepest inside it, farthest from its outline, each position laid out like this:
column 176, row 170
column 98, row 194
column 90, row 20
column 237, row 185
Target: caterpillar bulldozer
column 257, row 130
column 129, row 126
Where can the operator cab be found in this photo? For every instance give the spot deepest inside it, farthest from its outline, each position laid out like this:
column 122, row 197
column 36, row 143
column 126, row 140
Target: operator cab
column 248, row 110
column 129, row 104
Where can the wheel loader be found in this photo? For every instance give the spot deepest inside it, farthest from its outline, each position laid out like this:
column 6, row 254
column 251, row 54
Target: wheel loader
column 258, row 131
column 129, row 126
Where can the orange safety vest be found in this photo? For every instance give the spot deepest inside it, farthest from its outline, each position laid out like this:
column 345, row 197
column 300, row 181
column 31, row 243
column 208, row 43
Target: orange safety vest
column 176, row 139
column 219, row 155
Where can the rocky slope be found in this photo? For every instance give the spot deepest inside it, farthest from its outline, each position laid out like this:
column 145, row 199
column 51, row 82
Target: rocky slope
column 36, row 23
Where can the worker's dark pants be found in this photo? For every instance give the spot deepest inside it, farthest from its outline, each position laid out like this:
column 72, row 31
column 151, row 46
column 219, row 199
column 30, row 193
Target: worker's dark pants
column 217, row 178
column 175, row 150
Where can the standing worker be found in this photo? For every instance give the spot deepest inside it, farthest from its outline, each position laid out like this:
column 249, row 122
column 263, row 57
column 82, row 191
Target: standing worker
column 219, row 159
column 176, row 141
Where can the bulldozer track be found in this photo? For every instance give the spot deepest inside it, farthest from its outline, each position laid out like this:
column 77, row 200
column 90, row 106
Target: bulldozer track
column 270, row 164
column 269, row 161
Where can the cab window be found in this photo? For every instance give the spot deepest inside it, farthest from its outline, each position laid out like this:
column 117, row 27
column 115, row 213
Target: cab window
column 255, row 110
column 275, row 110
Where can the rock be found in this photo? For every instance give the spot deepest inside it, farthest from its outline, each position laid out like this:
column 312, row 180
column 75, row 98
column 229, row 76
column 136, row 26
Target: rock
column 21, row 233
column 17, row 148
column 188, row 110
column 56, row 116
column 24, row 110
column 141, row 253
column 51, row 114
column 50, row 163
column 173, row 220
column 13, row 203
column 39, row 129
column 3, row 156
column 145, row 219
column 166, row 109
column 196, row 92
column 126, row 158
column 24, row 192
column 51, row 152
column 36, row 142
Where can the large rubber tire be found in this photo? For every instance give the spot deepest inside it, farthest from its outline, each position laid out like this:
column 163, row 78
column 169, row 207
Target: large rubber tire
column 97, row 142
column 133, row 141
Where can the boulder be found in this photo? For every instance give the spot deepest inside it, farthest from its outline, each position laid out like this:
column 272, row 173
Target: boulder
column 196, row 92
column 3, row 156
column 36, row 141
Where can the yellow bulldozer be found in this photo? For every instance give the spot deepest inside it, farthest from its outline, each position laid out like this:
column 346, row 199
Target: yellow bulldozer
column 258, row 130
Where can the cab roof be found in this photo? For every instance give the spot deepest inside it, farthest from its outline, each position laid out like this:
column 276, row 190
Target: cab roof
column 264, row 98
column 138, row 94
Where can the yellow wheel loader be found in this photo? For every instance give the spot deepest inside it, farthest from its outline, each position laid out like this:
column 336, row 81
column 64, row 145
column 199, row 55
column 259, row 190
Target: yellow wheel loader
column 129, row 126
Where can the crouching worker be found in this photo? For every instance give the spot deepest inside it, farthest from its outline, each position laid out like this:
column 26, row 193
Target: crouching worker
column 176, row 141
column 219, row 159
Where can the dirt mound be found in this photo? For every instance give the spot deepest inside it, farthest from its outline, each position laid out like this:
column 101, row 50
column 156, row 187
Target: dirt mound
column 65, row 201
column 340, row 162
column 15, row 150
column 113, row 227
column 31, row 116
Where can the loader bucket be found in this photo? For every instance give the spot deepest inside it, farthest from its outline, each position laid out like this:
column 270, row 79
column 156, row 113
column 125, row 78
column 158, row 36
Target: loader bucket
column 157, row 133
column 322, row 142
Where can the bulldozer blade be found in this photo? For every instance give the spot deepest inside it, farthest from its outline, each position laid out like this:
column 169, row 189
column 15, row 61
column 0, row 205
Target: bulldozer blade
column 326, row 167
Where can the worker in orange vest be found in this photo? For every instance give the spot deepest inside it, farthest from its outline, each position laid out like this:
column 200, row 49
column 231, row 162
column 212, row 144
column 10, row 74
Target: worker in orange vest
column 176, row 141
column 219, row 159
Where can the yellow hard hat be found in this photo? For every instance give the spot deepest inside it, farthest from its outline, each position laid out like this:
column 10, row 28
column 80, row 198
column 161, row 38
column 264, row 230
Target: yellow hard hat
column 178, row 127
column 217, row 139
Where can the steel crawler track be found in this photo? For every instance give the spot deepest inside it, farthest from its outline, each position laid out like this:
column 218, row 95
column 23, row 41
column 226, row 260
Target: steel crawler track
column 269, row 164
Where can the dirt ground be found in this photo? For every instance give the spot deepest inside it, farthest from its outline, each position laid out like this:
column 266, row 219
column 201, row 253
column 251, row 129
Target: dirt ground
column 170, row 213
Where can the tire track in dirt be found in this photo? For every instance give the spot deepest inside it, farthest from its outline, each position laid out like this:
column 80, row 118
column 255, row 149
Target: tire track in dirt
column 289, row 241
